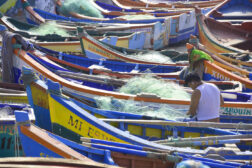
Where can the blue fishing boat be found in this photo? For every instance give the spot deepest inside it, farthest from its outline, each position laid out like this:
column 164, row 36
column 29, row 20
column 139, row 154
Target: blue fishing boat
column 124, row 68
column 47, row 144
column 23, row 57
column 40, row 143
column 112, row 85
column 148, row 129
column 9, row 137
column 176, row 28
column 5, row 5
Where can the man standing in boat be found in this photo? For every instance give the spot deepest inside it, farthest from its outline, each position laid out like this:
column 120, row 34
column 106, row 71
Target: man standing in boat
column 206, row 99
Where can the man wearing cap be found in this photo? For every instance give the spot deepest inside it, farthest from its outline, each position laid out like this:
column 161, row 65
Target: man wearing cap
column 206, row 99
column 196, row 59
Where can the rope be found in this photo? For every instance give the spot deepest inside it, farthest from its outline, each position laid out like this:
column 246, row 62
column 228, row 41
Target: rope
column 7, row 59
column 7, row 53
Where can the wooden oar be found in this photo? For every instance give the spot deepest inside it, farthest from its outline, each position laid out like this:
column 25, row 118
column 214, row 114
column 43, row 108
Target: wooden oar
column 185, row 124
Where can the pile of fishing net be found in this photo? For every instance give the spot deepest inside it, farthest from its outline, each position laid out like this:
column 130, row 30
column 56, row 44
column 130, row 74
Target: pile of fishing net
column 83, row 7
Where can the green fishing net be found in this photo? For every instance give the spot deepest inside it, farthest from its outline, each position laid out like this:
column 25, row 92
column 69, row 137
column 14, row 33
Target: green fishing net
column 49, row 28
column 147, row 84
column 160, row 87
column 83, row 7
column 153, row 56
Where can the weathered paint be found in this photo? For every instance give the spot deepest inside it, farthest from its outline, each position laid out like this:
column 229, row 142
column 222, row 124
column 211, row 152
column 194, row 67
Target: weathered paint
column 10, row 145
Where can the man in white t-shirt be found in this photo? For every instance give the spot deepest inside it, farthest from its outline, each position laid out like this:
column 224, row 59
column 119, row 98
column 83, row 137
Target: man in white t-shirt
column 206, row 99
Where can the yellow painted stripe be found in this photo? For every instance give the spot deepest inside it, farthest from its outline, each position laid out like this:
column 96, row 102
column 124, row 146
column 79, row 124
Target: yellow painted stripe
column 39, row 96
column 7, row 5
column 63, row 47
column 64, row 117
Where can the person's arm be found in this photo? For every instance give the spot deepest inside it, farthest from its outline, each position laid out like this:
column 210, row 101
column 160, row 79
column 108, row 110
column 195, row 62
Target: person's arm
column 221, row 100
column 194, row 102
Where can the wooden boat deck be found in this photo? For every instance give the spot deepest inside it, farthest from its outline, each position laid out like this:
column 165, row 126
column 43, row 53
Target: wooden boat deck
column 225, row 35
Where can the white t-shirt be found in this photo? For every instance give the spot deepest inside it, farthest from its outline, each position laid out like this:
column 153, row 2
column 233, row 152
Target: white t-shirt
column 209, row 103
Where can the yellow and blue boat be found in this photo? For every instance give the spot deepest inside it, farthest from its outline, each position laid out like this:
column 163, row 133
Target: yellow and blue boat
column 23, row 58
column 5, row 5
column 37, row 142
column 41, row 143
column 9, row 137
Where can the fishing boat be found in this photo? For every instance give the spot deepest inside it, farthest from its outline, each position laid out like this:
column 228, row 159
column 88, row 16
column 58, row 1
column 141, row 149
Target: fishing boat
column 24, row 58
column 104, row 83
column 214, row 72
column 228, row 63
column 38, row 87
column 103, row 6
column 130, row 40
column 233, row 12
column 5, row 5
column 73, row 127
column 110, row 11
column 93, row 49
column 219, row 37
column 60, row 147
column 153, row 5
column 12, row 93
column 124, row 69
column 156, row 33
column 104, row 151
column 10, row 142
column 175, row 28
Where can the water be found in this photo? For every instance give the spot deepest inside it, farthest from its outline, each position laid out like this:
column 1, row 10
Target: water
column 147, row 84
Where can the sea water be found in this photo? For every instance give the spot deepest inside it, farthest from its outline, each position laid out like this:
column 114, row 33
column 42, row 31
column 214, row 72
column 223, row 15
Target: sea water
column 147, row 84
column 49, row 28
